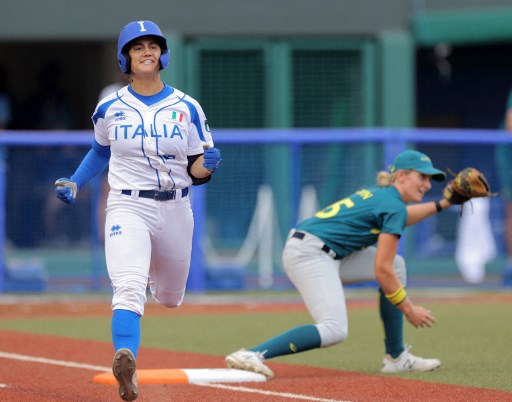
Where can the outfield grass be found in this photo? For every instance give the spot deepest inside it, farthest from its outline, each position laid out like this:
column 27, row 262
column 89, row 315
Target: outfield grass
column 472, row 340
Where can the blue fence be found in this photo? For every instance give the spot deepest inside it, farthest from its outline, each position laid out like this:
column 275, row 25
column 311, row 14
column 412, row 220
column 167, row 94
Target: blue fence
column 67, row 253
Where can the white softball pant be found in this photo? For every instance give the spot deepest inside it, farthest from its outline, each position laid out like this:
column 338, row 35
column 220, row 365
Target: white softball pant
column 147, row 242
column 319, row 279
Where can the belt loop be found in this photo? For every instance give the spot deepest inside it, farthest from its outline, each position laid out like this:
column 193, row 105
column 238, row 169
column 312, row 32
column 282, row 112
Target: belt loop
column 135, row 194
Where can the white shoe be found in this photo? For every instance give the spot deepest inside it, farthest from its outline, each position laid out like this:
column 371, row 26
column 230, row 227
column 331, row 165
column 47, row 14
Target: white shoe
column 249, row 361
column 408, row 362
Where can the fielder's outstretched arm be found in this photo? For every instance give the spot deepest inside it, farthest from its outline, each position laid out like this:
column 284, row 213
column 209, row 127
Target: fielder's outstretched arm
column 416, row 213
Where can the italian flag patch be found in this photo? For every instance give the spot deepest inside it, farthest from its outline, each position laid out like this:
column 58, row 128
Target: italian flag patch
column 177, row 116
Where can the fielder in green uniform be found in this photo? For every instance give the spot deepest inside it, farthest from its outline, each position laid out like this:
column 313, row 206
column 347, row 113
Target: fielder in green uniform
column 354, row 240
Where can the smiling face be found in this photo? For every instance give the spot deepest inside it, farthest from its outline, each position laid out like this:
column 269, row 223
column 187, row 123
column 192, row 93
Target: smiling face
column 412, row 185
column 145, row 55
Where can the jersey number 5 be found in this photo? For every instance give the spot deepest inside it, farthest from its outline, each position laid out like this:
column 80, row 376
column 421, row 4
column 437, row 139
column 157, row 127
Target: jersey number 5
column 333, row 209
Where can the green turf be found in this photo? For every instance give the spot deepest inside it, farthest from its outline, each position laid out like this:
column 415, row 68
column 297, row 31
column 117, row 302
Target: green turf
column 472, row 340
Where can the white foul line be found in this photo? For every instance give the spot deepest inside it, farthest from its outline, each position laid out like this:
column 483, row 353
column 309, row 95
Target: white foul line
column 272, row 393
column 15, row 356
column 43, row 360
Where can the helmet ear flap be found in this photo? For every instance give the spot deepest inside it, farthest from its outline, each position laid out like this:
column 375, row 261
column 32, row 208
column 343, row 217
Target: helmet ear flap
column 165, row 59
column 124, row 63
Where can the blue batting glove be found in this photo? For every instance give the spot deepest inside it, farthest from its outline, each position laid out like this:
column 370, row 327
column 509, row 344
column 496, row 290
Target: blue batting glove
column 212, row 159
column 66, row 190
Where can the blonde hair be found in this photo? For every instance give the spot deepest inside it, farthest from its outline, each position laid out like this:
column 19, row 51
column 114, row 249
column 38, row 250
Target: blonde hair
column 385, row 179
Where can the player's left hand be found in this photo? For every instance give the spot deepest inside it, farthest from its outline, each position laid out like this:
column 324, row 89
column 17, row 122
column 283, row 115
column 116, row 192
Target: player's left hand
column 212, row 159
column 66, row 190
column 420, row 317
column 468, row 183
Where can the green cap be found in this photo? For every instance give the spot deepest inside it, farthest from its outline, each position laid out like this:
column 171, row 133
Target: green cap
column 414, row 160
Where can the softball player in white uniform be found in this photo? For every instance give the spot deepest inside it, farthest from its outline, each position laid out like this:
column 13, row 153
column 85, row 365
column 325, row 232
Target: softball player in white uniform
column 337, row 246
column 152, row 137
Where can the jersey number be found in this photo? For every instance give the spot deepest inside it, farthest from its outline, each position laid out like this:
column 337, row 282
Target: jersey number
column 333, row 209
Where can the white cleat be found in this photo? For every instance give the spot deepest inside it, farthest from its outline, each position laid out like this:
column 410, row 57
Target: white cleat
column 408, row 362
column 249, row 361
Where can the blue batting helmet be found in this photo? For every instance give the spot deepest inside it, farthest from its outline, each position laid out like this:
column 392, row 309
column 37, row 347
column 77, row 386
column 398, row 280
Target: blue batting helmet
column 137, row 29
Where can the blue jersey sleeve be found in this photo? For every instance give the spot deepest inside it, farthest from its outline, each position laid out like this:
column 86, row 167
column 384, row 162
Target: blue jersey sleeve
column 92, row 165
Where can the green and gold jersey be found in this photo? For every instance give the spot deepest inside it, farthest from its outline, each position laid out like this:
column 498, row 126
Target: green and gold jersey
column 355, row 222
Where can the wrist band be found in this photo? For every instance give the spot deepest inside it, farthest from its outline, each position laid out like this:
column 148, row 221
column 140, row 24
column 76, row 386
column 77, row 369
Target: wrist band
column 398, row 296
column 439, row 208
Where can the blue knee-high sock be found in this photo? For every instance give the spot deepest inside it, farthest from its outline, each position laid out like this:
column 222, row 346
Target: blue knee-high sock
column 296, row 340
column 393, row 321
column 126, row 330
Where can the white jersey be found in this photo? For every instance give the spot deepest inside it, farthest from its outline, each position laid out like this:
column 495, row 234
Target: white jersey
column 150, row 138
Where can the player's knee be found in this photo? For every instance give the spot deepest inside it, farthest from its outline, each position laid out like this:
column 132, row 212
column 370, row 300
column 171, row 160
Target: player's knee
column 169, row 303
column 169, row 299
column 332, row 333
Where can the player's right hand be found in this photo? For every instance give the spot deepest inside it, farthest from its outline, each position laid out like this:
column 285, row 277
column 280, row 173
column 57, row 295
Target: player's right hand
column 66, row 190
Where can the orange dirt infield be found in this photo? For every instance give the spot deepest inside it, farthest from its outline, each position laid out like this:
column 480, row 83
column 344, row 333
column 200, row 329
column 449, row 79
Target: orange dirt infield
column 65, row 368
column 48, row 382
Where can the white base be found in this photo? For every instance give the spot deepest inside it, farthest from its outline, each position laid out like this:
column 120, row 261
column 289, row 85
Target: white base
column 222, row 375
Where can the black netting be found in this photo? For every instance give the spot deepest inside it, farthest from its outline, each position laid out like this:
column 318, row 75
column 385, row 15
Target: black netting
column 327, row 88
column 233, row 87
